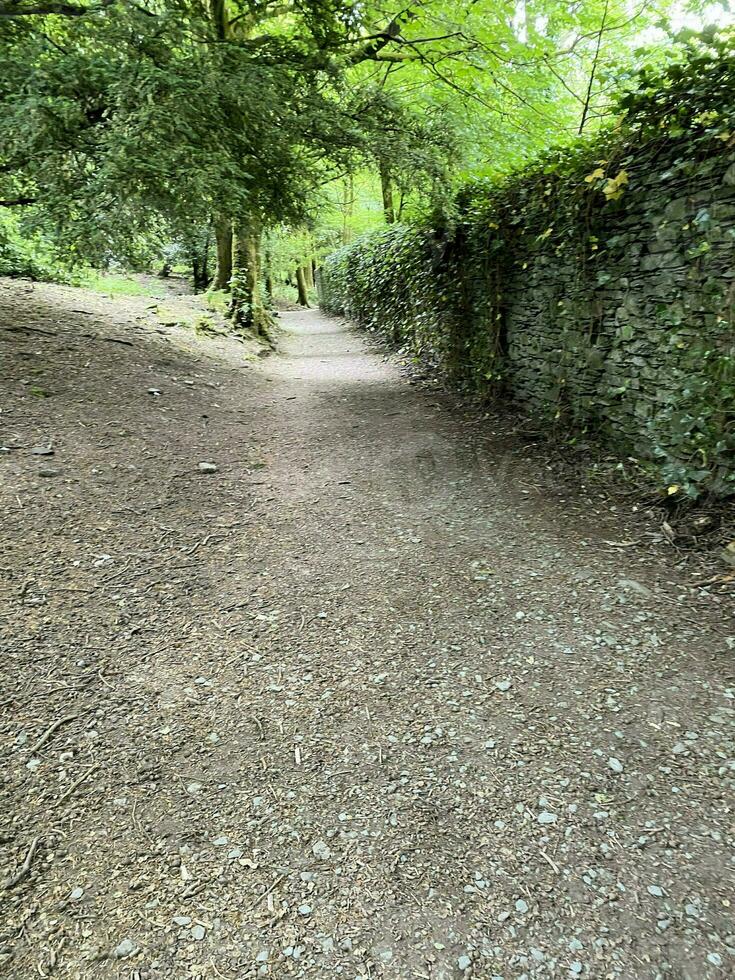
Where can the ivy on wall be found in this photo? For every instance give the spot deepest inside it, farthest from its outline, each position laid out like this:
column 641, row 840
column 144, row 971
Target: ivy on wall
column 596, row 288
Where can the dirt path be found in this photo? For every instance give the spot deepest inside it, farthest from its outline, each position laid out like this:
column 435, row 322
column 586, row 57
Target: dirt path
column 367, row 702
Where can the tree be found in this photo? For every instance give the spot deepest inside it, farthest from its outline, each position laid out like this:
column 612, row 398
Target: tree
column 139, row 114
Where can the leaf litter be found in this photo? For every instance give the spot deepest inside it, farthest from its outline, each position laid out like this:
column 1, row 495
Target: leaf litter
column 279, row 731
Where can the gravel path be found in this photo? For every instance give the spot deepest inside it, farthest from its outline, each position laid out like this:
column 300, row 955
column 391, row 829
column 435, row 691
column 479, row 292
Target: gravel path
column 368, row 701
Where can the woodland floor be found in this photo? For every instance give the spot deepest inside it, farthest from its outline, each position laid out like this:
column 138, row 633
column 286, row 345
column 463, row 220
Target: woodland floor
column 374, row 700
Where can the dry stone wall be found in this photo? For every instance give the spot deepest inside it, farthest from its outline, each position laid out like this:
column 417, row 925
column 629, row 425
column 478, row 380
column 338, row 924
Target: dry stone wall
column 597, row 295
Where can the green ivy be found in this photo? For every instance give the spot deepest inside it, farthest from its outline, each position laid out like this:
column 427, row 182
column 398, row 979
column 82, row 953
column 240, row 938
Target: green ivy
column 444, row 288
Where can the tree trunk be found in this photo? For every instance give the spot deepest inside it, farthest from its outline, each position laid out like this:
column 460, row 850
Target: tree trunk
column 223, row 234
column 386, row 185
column 220, row 20
column 200, row 274
column 246, row 307
column 301, row 286
column 201, row 265
column 348, row 200
column 401, row 202
column 268, row 277
column 308, row 275
column 205, row 257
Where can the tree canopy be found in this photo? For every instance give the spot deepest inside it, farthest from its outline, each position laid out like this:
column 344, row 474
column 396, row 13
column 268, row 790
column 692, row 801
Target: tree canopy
column 126, row 122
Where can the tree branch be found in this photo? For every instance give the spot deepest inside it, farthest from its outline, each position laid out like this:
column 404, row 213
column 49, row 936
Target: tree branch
column 376, row 42
column 12, row 9
column 267, row 13
column 393, row 57
column 593, row 71
column 17, row 202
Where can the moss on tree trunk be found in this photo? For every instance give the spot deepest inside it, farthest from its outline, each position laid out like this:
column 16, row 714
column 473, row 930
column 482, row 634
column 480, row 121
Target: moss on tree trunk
column 223, row 235
column 386, row 186
column 247, row 309
column 301, row 286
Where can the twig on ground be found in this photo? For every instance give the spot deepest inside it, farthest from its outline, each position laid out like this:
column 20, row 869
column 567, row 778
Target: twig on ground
column 48, row 333
column 50, row 731
column 75, row 785
column 265, row 894
column 191, row 890
column 202, row 543
column 546, row 857
column 109, row 340
column 20, row 874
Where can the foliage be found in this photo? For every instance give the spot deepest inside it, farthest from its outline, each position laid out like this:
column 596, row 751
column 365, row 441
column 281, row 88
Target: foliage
column 139, row 121
column 133, row 117
column 287, row 247
column 504, row 83
column 695, row 94
column 112, row 284
column 26, row 255
column 568, row 228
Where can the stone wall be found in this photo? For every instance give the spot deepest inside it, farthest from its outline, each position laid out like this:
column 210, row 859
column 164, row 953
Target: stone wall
column 619, row 343
column 598, row 297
